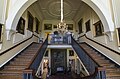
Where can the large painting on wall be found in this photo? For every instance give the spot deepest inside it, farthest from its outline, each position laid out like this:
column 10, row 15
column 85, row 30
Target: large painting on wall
column 21, row 26
column 0, row 32
column 71, row 53
column 98, row 28
column 118, row 36
column 87, row 24
column 30, row 21
column 70, row 26
column 47, row 26
column 80, row 26
column 37, row 25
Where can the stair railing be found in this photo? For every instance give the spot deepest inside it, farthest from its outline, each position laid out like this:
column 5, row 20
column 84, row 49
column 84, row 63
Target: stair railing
column 29, row 73
column 96, row 71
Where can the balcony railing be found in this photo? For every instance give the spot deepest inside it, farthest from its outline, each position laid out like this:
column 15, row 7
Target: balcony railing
column 59, row 39
column 95, row 70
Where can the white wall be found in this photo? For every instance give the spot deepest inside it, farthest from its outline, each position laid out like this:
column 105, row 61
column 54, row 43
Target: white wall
column 3, row 6
column 54, row 22
column 16, row 38
column 115, row 6
column 104, row 39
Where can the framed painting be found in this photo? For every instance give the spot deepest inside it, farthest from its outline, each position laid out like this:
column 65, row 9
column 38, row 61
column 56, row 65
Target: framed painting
column 21, row 25
column 30, row 21
column 0, row 33
column 70, row 26
column 98, row 28
column 55, row 26
column 71, row 53
column 87, row 24
column 47, row 26
column 37, row 25
column 118, row 35
column 80, row 27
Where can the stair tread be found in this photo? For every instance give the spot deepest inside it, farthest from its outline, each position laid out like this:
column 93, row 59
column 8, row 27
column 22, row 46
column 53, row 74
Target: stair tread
column 10, row 77
column 14, row 70
column 11, row 71
column 111, row 71
column 112, row 74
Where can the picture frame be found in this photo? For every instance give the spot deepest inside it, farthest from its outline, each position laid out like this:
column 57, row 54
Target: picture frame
column 71, row 53
column 37, row 25
column 55, row 26
column 87, row 24
column 118, row 35
column 70, row 26
column 98, row 28
column 47, row 26
column 1, row 30
column 80, row 26
column 21, row 26
column 30, row 21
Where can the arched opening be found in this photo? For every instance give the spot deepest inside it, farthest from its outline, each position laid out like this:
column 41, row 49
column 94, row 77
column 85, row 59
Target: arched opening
column 15, row 14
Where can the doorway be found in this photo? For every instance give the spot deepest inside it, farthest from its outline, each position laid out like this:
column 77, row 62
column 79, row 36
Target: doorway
column 58, row 61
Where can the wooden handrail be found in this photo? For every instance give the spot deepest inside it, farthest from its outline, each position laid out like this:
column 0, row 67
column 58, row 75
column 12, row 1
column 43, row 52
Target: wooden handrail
column 91, row 57
column 87, row 53
column 17, row 45
column 92, row 76
column 99, row 70
column 28, row 67
column 100, row 44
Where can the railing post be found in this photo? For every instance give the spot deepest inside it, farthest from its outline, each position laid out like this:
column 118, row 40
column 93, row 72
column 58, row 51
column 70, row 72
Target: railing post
column 101, row 73
column 28, row 74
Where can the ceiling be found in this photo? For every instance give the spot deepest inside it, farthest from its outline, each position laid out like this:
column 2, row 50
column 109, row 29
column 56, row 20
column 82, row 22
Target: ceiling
column 50, row 9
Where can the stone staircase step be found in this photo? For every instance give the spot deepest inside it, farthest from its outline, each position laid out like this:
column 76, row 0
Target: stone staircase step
column 28, row 54
column 22, row 60
column 112, row 72
column 11, row 77
column 19, row 63
column 14, row 70
column 10, row 72
column 14, row 67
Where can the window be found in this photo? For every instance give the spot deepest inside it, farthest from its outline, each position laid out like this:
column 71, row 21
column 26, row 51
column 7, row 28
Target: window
column 80, row 26
column 30, row 22
column 21, row 26
column 98, row 28
column 37, row 25
column 87, row 26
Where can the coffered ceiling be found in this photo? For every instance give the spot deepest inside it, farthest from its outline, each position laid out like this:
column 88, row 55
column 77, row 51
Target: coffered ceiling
column 50, row 9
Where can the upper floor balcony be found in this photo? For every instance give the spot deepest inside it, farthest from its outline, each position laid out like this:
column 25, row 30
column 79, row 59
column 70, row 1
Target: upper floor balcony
column 59, row 39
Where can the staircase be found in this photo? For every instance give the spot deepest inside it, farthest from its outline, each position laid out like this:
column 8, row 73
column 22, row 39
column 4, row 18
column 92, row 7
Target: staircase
column 112, row 70
column 14, row 69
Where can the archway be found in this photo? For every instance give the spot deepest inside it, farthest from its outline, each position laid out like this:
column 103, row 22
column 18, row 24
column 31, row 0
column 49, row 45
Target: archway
column 104, row 16
column 14, row 15
column 97, row 6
